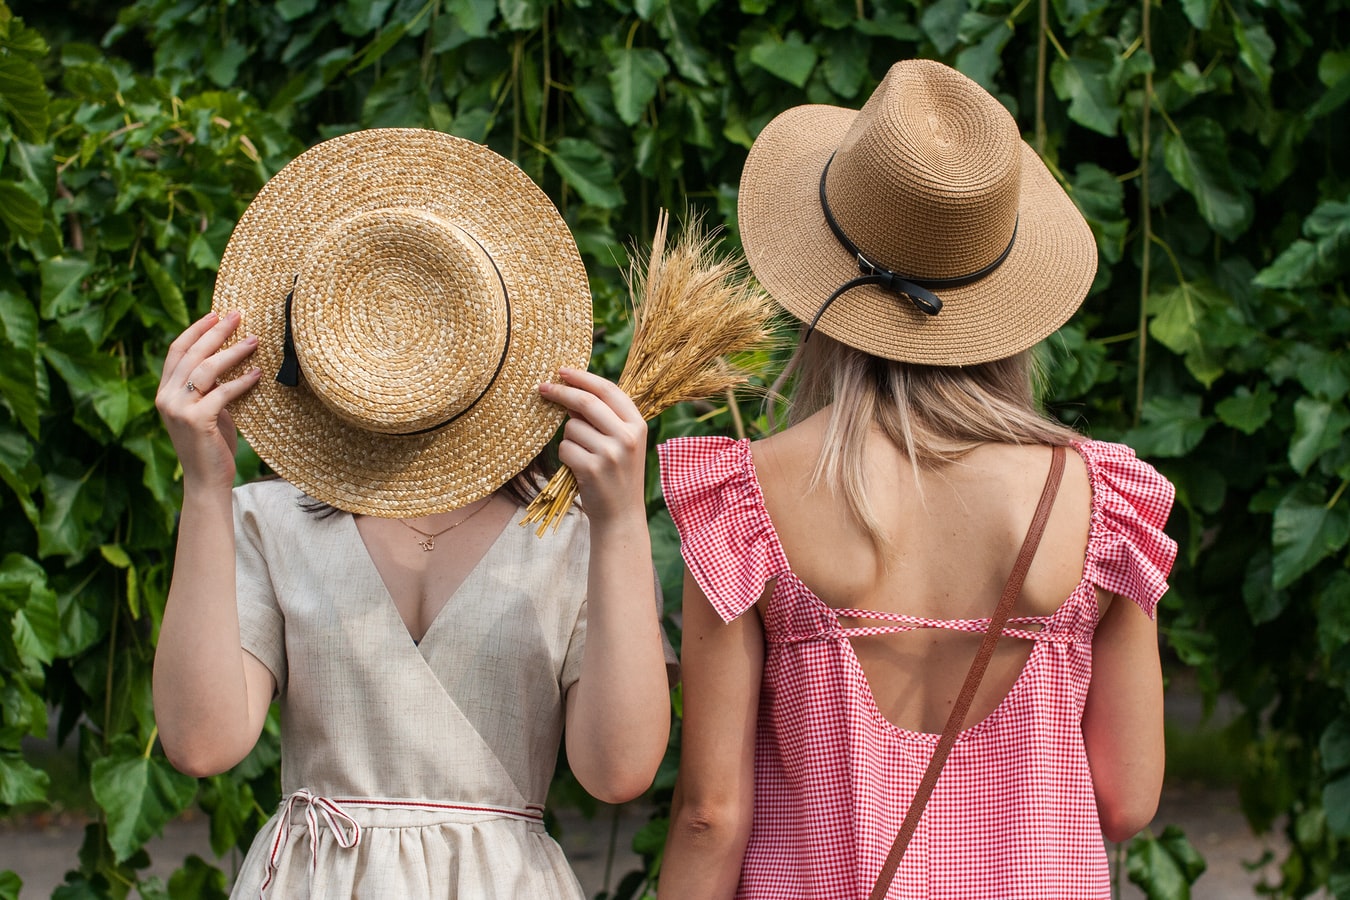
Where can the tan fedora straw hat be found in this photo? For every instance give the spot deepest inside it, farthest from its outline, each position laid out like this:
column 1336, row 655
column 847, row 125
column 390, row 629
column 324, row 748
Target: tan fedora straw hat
column 920, row 228
column 409, row 290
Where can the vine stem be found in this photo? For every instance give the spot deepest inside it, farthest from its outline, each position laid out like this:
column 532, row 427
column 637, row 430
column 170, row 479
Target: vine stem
column 1145, row 213
column 1337, row 496
column 1043, row 21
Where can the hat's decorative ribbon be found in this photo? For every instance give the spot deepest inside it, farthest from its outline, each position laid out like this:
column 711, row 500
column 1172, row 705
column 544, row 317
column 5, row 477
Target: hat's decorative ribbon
column 289, row 373
column 918, row 291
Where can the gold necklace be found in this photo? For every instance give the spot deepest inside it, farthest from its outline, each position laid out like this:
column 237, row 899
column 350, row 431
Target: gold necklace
column 428, row 541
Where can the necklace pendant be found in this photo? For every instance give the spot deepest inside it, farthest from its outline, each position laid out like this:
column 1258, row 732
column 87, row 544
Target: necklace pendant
column 428, row 544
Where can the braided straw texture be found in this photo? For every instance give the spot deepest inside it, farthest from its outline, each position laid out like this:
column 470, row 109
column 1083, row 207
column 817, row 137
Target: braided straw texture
column 430, row 271
column 928, row 179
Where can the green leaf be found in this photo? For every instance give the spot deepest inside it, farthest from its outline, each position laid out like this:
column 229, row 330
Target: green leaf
column 19, row 211
column 1336, row 801
column 1176, row 315
column 290, row 10
column 474, row 16
column 1086, row 85
column 96, row 380
column 198, row 880
column 1319, row 260
column 982, row 58
column 223, row 61
column 790, row 59
column 10, row 883
column 166, row 287
column 1325, row 375
column 1197, row 158
column 19, row 359
column 521, row 15
column 35, row 626
column 1197, row 11
column 1334, row 745
column 941, row 21
column 1255, row 49
column 1305, row 532
column 650, row 839
column 1166, row 866
column 1101, row 198
column 21, row 783
column 1246, row 411
column 61, row 285
column 64, row 513
column 23, row 97
column 1171, row 426
column 634, row 75
column 1333, row 70
column 845, row 63
column 139, row 795
column 1318, row 427
column 17, row 469
column 584, row 167
column 896, row 25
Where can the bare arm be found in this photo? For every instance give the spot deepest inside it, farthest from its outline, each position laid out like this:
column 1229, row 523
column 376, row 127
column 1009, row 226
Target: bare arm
column 618, row 712
column 210, row 695
column 722, row 665
column 1123, row 720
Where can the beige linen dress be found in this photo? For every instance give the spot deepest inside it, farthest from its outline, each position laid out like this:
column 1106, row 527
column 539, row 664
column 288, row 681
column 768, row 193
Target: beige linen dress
column 408, row 771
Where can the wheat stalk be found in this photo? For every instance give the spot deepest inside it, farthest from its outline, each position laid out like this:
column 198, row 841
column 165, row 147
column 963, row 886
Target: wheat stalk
column 692, row 307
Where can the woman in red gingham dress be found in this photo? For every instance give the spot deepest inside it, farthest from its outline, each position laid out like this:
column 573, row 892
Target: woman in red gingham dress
column 841, row 573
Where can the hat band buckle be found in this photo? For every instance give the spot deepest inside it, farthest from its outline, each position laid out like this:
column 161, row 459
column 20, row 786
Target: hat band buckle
column 915, row 290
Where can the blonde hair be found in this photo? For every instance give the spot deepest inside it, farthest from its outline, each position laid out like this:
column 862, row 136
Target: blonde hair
column 935, row 415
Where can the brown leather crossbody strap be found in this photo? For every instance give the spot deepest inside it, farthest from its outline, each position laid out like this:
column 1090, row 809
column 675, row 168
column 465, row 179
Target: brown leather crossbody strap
column 958, row 714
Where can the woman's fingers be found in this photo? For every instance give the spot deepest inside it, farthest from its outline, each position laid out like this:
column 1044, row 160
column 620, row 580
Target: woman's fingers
column 196, row 355
column 182, row 344
column 604, row 441
column 602, row 414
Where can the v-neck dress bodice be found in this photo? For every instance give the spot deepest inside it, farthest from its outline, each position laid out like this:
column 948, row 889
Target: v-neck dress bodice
column 1013, row 815
column 409, row 770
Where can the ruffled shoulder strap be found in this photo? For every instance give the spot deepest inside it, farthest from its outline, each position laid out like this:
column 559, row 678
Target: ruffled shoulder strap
column 1128, row 552
column 726, row 537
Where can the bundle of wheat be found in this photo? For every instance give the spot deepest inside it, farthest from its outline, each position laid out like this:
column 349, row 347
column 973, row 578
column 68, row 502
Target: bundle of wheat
column 692, row 308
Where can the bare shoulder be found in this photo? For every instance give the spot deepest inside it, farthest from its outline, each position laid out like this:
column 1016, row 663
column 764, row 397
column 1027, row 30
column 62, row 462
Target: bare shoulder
column 791, row 454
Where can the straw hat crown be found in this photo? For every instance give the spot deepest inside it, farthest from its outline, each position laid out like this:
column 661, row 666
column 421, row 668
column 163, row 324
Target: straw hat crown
column 383, row 300
column 921, row 228
column 927, row 178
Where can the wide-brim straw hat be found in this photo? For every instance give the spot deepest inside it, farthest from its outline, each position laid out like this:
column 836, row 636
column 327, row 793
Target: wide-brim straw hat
column 931, row 181
column 431, row 287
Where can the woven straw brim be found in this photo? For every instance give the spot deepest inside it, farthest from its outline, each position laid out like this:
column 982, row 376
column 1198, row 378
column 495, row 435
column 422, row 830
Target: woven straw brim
column 550, row 308
column 799, row 261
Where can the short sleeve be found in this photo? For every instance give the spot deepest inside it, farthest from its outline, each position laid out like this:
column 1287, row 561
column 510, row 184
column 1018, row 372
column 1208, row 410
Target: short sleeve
column 262, row 627
column 726, row 537
column 1129, row 554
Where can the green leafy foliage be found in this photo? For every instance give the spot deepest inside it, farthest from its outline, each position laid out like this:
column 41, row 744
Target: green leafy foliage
column 1166, row 866
column 1201, row 140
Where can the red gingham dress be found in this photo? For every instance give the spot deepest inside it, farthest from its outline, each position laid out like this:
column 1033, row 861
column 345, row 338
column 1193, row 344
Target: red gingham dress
column 1013, row 814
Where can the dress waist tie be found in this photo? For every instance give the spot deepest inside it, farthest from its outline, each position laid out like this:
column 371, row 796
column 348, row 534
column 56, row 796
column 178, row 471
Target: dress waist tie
column 346, row 830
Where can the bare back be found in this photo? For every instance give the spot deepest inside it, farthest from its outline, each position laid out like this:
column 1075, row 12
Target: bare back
column 952, row 542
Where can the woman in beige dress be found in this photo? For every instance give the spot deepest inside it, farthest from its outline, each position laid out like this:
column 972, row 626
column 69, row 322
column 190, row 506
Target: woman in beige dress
column 426, row 316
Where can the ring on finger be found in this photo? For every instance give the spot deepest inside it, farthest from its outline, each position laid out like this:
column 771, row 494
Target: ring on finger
column 192, row 388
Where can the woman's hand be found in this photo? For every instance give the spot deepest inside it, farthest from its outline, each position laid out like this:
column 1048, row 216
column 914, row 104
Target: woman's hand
column 192, row 403
column 604, row 442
